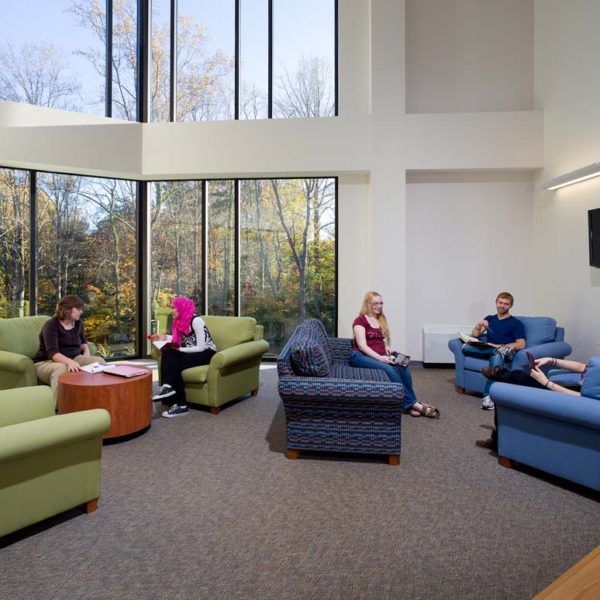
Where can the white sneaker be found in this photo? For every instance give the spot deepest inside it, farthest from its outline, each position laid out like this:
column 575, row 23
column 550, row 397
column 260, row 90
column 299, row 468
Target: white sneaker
column 163, row 392
column 487, row 403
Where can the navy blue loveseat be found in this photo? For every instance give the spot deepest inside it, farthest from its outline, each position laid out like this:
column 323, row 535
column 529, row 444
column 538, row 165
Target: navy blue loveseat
column 331, row 406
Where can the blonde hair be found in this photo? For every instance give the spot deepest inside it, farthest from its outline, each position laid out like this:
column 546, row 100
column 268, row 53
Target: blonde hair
column 365, row 309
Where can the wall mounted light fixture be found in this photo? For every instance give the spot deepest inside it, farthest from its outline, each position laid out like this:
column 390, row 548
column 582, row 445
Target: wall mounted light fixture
column 582, row 174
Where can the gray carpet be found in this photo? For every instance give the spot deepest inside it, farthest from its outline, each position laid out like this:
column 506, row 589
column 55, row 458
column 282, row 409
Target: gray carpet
column 210, row 507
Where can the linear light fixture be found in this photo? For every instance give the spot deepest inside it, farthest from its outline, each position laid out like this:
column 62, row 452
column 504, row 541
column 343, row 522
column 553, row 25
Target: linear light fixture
column 571, row 177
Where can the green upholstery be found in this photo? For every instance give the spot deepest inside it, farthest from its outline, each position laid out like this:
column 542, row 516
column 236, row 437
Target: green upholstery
column 19, row 343
column 48, row 463
column 234, row 370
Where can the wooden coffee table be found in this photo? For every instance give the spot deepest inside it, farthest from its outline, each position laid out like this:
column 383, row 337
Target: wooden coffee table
column 128, row 400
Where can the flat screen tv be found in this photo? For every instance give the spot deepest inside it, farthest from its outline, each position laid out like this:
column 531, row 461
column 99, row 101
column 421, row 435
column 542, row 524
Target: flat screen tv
column 594, row 233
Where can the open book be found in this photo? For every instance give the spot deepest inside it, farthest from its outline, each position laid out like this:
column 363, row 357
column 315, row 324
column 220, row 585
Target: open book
column 93, row 368
column 473, row 341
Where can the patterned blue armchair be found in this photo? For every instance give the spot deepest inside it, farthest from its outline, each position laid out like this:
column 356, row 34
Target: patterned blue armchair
column 543, row 338
column 331, row 406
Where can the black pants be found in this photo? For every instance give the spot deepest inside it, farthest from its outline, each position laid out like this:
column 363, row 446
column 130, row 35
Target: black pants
column 173, row 362
column 516, row 377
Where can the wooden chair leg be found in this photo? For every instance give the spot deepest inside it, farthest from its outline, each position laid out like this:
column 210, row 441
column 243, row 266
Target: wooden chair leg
column 91, row 506
column 215, row 410
column 254, row 392
column 459, row 390
column 393, row 459
column 505, row 462
column 292, row 454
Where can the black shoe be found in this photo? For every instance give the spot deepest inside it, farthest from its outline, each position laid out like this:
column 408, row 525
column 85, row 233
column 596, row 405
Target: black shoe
column 489, row 444
column 491, row 372
column 163, row 392
column 176, row 411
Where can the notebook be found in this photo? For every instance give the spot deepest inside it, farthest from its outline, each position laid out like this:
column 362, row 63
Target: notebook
column 125, row 370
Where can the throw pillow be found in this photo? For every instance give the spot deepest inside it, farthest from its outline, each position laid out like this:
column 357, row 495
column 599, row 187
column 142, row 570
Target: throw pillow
column 539, row 330
column 309, row 359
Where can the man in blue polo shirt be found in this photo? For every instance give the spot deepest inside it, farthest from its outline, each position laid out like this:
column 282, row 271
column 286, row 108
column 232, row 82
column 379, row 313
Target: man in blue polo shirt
column 503, row 332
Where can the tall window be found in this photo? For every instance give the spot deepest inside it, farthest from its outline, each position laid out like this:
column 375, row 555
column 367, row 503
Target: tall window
column 287, row 248
column 221, row 248
column 303, row 58
column 51, row 55
column 177, row 265
column 205, row 60
column 87, row 246
column 14, row 243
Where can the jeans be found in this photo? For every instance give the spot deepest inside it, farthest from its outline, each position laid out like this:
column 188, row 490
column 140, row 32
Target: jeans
column 495, row 360
column 396, row 373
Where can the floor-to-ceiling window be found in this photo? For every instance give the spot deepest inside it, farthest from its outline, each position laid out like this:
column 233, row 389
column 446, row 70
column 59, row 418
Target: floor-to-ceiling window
column 86, row 245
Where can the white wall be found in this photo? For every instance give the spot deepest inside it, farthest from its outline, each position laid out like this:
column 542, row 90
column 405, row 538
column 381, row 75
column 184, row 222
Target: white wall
column 459, row 254
column 469, row 55
column 568, row 89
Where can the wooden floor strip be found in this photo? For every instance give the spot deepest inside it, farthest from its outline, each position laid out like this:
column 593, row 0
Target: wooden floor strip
column 580, row 582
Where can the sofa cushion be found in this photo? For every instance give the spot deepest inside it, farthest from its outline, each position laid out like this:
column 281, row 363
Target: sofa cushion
column 230, row 331
column 590, row 386
column 308, row 355
column 342, row 370
column 539, row 330
column 22, row 334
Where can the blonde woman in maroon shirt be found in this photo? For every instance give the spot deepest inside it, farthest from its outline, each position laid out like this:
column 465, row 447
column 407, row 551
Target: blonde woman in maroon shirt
column 371, row 350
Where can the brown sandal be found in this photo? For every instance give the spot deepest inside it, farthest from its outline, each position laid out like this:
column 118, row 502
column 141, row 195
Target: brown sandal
column 413, row 412
column 428, row 411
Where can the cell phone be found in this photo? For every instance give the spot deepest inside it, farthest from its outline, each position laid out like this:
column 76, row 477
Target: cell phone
column 531, row 360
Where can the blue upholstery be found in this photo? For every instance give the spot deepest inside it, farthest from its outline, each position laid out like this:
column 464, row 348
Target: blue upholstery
column 590, row 386
column 351, row 410
column 556, row 433
column 468, row 368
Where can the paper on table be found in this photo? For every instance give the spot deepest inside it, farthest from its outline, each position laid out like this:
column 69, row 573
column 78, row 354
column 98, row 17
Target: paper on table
column 93, row 368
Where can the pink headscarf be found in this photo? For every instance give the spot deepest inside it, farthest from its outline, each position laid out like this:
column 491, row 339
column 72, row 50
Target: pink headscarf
column 182, row 324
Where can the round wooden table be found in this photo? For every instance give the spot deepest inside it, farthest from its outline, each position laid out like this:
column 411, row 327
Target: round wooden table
column 128, row 400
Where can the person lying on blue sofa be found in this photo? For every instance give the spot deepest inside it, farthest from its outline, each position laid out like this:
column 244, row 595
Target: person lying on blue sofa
column 533, row 377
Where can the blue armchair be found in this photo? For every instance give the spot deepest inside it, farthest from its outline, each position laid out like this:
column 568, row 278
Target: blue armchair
column 556, row 433
column 543, row 338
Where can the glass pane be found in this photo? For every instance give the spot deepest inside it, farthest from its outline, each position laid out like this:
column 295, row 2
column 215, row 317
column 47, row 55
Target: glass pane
column 303, row 58
column 221, row 248
column 254, row 59
column 205, row 60
column 160, row 68
column 87, row 246
column 52, row 54
column 177, row 246
column 124, row 91
column 14, row 243
column 288, row 254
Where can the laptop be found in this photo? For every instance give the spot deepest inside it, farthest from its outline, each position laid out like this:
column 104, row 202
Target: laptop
column 125, row 370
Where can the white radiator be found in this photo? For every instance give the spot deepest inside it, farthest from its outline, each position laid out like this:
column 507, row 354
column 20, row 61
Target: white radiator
column 435, row 342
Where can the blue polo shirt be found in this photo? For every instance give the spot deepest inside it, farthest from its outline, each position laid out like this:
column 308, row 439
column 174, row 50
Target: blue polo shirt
column 504, row 331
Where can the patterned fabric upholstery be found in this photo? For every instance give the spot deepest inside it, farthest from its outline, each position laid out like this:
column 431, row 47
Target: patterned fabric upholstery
column 347, row 410
column 309, row 356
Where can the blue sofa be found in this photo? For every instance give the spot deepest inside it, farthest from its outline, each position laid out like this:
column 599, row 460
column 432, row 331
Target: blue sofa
column 543, row 338
column 556, row 433
column 331, row 406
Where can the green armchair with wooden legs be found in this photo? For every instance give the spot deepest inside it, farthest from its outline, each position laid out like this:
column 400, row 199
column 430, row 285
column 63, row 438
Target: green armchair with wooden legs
column 234, row 370
column 48, row 463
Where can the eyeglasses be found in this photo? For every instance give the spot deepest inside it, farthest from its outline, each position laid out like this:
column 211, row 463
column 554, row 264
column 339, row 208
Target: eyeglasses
column 376, row 303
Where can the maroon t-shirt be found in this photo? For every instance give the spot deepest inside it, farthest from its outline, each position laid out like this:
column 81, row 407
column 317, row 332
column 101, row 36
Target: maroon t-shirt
column 375, row 337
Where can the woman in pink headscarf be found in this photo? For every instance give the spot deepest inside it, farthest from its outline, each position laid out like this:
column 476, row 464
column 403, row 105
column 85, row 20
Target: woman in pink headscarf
column 190, row 345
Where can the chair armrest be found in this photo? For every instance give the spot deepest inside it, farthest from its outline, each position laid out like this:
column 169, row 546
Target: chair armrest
column 239, row 353
column 552, row 405
column 25, row 404
column 328, row 389
column 553, row 349
column 33, row 437
column 16, row 363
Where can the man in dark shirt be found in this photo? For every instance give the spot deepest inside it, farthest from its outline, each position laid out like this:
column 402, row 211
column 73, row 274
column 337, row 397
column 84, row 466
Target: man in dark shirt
column 503, row 332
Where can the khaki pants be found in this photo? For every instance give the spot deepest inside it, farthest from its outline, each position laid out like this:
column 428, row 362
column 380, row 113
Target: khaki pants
column 48, row 371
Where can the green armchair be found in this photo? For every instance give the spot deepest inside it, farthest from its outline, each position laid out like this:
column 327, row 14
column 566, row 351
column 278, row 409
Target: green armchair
column 19, row 343
column 48, row 463
column 234, row 370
